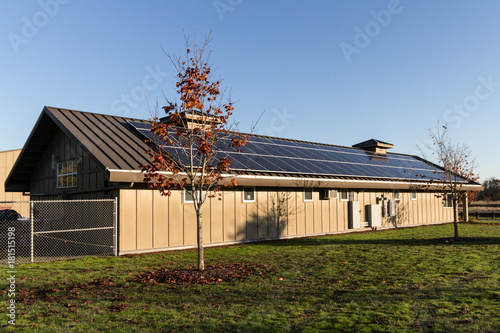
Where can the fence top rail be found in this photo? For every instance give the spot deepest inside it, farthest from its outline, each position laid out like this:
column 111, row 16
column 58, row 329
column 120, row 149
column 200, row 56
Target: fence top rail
column 71, row 200
column 76, row 200
column 12, row 202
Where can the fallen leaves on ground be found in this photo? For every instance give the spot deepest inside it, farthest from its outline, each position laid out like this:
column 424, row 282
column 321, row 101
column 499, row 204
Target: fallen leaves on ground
column 191, row 275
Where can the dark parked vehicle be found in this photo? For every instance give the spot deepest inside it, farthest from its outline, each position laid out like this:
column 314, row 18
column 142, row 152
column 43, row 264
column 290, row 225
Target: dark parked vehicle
column 10, row 218
column 7, row 215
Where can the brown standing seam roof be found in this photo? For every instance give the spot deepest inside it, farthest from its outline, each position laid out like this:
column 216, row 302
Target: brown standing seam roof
column 108, row 139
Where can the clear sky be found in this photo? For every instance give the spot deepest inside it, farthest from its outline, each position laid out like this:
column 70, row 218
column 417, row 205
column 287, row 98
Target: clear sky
column 337, row 72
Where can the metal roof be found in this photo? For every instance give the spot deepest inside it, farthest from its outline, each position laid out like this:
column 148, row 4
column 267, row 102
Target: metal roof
column 116, row 145
column 108, row 139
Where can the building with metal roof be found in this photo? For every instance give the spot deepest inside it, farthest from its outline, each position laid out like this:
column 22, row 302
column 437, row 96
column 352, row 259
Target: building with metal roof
column 287, row 188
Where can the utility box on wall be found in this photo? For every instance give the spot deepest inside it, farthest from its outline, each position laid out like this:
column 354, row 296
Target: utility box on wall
column 354, row 215
column 391, row 208
column 374, row 215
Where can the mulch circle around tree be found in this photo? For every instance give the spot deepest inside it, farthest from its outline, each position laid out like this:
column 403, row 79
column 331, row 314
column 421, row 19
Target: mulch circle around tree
column 191, row 275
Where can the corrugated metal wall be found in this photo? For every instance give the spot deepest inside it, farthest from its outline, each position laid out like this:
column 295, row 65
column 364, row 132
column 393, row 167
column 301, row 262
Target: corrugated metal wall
column 90, row 175
column 149, row 221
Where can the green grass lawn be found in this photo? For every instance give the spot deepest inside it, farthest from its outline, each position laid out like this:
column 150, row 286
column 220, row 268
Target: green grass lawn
column 405, row 280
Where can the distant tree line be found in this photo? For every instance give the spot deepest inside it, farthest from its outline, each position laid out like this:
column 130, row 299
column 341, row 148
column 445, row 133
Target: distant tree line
column 491, row 190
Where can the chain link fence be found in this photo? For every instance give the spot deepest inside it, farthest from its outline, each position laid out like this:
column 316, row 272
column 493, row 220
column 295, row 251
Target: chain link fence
column 37, row 231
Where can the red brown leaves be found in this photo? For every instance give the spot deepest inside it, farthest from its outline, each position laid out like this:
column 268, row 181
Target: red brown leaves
column 211, row 274
column 197, row 129
column 118, row 308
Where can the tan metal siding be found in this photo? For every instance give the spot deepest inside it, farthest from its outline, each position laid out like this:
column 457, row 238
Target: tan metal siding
column 309, row 215
column 206, row 223
column 241, row 216
column 189, row 221
column 262, row 213
column 150, row 221
column 216, row 220
column 317, row 221
column 160, row 220
column 251, row 218
column 332, row 207
column 301, row 213
column 291, row 213
column 144, row 220
column 342, row 215
column 228, row 201
column 7, row 160
column 325, row 215
column 175, row 220
column 274, row 214
column 128, row 220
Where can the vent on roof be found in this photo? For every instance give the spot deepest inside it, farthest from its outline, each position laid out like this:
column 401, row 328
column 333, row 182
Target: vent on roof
column 376, row 146
column 193, row 119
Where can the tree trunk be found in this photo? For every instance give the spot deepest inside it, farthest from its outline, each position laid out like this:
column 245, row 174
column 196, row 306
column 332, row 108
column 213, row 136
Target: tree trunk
column 455, row 215
column 201, row 258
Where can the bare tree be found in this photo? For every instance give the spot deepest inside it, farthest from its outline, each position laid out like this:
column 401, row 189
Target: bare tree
column 190, row 147
column 457, row 167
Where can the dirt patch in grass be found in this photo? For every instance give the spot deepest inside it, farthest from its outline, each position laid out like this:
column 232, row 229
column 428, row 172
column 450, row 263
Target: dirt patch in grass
column 186, row 276
column 57, row 292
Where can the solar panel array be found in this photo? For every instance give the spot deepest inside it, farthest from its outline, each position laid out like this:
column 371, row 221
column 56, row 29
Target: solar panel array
column 275, row 155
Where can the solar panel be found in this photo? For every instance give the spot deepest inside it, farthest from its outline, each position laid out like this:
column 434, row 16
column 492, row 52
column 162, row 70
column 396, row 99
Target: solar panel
column 265, row 154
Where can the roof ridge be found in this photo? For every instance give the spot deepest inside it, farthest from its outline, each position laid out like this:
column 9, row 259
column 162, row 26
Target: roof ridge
column 51, row 108
column 234, row 132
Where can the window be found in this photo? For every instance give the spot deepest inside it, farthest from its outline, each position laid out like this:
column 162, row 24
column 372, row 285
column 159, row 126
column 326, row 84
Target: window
column 329, row 194
column 308, row 194
column 396, row 195
column 413, row 195
column 344, row 195
column 66, row 174
column 248, row 194
column 448, row 200
column 187, row 196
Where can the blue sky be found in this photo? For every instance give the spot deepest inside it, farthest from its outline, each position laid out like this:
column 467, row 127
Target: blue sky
column 324, row 71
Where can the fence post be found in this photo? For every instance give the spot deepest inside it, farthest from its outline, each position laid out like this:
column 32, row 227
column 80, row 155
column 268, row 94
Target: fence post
column 115, row 226
column 492, row 215
column 477, row 216
column 32, row 222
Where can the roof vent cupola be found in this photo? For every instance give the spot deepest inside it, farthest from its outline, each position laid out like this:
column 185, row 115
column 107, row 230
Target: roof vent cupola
column 193, row 119
column 375, row 146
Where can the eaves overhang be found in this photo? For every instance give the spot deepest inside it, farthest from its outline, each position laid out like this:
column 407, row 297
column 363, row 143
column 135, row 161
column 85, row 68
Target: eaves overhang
column 136, row 176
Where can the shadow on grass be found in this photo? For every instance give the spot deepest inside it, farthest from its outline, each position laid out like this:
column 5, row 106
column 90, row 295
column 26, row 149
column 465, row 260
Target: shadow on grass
column 318, row 241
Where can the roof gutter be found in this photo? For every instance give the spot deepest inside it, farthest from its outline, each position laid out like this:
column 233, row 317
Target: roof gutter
column 137, row 176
